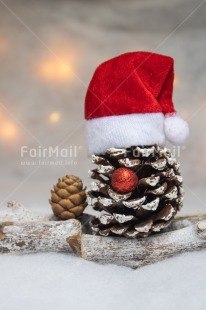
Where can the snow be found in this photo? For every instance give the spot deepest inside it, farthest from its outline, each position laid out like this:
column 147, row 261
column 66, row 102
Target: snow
column 60, row 281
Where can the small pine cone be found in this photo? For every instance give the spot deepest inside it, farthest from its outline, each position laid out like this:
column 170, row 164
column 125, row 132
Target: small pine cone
column 68, row 198
column 147, row 208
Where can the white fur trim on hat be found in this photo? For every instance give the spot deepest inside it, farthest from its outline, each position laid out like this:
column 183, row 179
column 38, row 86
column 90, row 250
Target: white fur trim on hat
column 176, row 129
column 124, row 131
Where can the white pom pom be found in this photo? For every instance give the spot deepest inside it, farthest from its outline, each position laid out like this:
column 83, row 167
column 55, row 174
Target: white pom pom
column 176, row 129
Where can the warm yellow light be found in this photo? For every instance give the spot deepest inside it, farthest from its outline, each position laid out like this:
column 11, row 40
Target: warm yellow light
column 176, row 82
column 185, row 114
column 3, row 45
column 55, row 70
column 54, row 117
column 8, row 130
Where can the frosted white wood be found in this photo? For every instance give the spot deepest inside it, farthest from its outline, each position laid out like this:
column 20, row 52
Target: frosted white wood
column 22, row 231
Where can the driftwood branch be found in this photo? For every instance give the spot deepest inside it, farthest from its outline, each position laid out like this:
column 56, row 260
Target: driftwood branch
column 185, row 234
column 23, row 232
column 37, row 236
column 139, row 252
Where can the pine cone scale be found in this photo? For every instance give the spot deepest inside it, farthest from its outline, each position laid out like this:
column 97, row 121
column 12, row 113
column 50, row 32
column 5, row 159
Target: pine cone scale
column 63, row 193
column 55, row 197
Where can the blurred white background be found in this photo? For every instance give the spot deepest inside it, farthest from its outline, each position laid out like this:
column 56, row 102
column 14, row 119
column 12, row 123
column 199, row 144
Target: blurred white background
column 49, row 50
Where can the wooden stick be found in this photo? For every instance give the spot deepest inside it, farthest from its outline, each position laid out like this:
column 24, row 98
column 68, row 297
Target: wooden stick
column 192, row 218
column 135, row 253
column 28, row 232
column 37, row 236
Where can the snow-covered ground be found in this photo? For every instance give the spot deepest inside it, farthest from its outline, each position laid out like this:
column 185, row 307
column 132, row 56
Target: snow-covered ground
column 60, row 281
column 38, row 39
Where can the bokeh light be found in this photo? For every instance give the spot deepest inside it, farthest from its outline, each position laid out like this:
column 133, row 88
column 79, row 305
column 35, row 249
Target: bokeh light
column 54, row 117
column 3, row 45
column 185, row 114
column 55, row 70
column 8, row 130
column 176, row 81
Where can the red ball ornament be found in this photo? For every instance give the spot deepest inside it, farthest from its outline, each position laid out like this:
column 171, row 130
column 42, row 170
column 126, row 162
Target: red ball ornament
column 124, row 180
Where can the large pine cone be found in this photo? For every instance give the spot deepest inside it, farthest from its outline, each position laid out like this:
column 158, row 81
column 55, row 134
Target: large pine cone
column 151, row 206
column 68, row 199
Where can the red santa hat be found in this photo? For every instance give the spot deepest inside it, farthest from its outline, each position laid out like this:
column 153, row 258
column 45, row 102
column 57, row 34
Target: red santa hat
column 129, row 102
